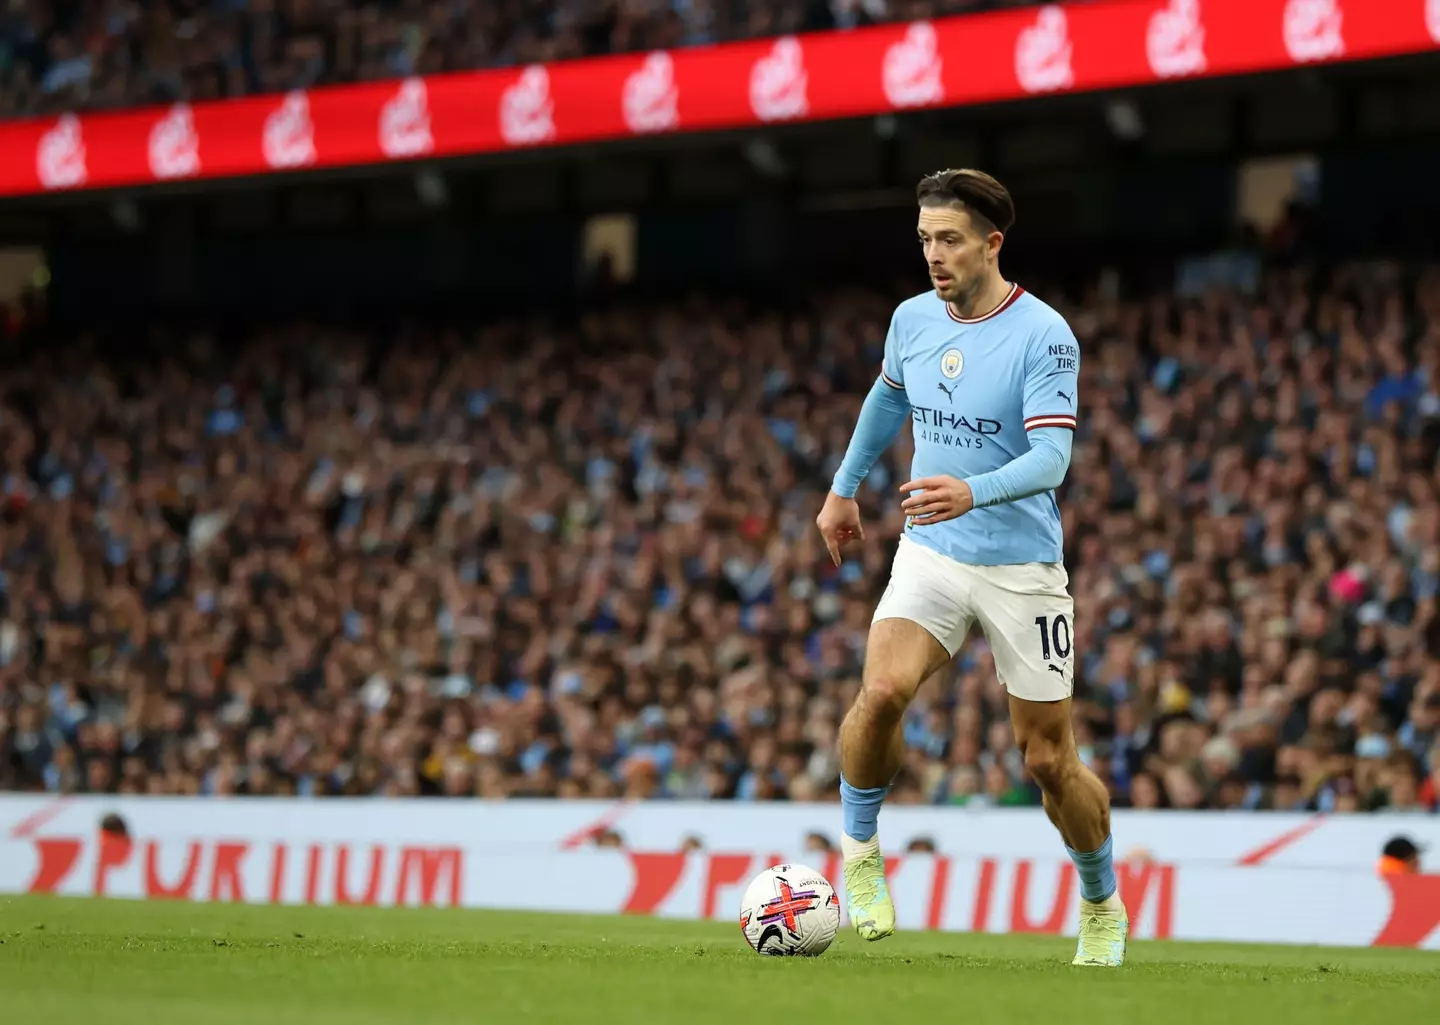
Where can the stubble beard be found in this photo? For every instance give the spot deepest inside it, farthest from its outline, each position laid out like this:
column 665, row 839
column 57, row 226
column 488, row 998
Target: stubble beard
column 961, row 293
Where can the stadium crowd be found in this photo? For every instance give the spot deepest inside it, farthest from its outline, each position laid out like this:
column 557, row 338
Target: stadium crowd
column 60, row 55
column 537, row 558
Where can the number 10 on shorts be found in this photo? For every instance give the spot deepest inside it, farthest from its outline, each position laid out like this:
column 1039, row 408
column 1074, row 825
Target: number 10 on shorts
column 1054, row 635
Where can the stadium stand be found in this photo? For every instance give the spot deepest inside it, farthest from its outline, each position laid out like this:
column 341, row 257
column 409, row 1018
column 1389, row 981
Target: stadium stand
column 104, row 54
column 539, row 558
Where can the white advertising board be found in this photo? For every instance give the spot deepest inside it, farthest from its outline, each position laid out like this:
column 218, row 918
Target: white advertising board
column 1184, row 875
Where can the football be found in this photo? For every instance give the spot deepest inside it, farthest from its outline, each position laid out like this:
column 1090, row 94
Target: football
column 790, row 911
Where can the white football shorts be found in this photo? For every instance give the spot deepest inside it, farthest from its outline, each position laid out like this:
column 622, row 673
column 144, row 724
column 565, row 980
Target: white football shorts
column 1025, row 610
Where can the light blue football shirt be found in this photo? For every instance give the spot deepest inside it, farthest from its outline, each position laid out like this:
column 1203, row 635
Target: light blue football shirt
column 975, row 388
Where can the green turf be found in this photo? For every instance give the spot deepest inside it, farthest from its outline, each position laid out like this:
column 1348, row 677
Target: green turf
column 117, row 962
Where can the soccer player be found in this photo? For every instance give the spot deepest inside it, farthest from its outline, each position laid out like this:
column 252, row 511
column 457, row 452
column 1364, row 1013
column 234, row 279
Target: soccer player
column 987, row 375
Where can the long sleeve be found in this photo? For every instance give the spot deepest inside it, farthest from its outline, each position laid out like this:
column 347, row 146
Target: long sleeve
column 885, row 411
column 1040, row 469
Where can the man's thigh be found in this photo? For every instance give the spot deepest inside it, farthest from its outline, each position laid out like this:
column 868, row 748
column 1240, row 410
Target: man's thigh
column 903, row 655
column 1043, row 723
column 922, row 619
column 1029, row 621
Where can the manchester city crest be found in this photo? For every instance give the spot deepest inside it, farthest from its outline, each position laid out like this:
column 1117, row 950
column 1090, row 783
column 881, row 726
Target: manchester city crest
column 952, row 363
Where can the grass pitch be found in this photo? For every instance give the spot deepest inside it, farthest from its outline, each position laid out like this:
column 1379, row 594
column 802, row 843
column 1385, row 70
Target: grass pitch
column 116, row 962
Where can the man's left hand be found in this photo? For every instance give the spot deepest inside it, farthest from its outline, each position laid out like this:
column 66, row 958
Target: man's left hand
column 939, row 499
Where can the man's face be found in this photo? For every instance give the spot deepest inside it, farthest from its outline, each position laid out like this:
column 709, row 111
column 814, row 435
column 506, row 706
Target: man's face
column 957, row 254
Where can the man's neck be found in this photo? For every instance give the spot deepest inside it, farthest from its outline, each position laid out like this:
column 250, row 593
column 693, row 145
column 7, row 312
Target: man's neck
column 985, row 299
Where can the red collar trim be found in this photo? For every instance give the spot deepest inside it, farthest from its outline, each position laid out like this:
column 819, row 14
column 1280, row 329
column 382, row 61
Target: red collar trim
column 1015, row 293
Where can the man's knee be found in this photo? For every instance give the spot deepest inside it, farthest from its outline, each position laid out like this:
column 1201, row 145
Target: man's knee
column 886, row 695
column 1048, row 764
column 899, row 657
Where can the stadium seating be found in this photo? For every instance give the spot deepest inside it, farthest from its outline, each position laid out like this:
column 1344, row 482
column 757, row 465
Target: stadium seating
column 90, row 54
column 492, row 561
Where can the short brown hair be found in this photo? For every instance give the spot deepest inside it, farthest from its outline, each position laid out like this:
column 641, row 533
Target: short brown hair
column 975, row 191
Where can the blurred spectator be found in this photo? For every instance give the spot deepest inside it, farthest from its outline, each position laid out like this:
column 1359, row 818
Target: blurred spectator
column 1400, row 856
column 609, row 839
column 818, row 843
column 578, row 560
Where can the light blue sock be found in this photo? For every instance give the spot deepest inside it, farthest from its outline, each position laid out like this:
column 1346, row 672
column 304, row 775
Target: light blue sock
column 1097, row 871
column 861, row 808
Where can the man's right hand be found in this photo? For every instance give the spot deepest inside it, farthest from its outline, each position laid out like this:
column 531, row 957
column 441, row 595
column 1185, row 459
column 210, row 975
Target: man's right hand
column 839, row 524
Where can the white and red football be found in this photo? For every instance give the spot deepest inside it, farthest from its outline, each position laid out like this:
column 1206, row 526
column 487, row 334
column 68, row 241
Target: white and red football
column 790, row 911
